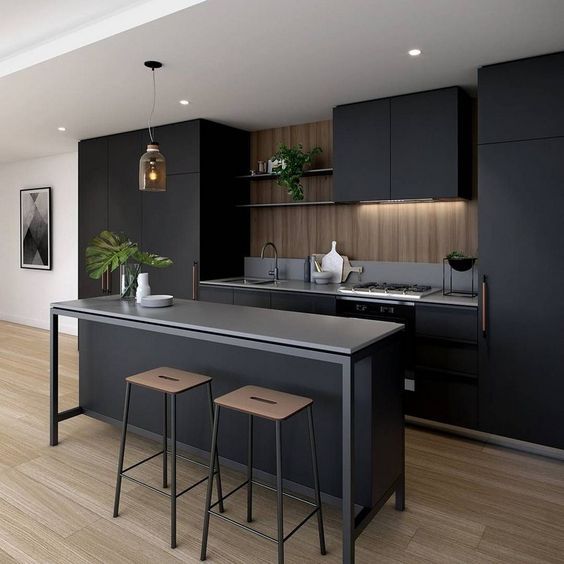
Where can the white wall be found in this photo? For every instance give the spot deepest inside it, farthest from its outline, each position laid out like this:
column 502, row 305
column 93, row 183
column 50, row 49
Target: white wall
column 25, row 295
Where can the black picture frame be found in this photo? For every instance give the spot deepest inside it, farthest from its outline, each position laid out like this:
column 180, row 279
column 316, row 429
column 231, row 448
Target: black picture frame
column 36, row 253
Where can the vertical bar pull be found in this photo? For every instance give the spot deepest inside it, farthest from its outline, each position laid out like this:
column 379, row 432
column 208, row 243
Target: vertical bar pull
column 484, row 306
column 195, row 280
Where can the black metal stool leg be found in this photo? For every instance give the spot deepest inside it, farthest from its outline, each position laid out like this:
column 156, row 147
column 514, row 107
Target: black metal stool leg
column 165, row 436
column 219, row 488
column 250, row 472
column 279, row 493
column 122, row 448
column 213, row 456
column 173, row 471
column 316, row 482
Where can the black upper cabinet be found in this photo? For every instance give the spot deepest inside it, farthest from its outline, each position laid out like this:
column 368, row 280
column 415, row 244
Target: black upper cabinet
column 431, row 145
column 361, row 161
column 521, row 99
column 180, row 145
column 92, row 205
column 521, row 240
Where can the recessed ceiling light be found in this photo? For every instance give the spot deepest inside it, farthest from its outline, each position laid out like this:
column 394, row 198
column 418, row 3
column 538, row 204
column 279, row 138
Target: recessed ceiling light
column 414, row 52
column 184, row 102
column 62, row 128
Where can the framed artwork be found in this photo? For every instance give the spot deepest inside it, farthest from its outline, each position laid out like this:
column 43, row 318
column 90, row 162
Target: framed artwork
column 35, row 228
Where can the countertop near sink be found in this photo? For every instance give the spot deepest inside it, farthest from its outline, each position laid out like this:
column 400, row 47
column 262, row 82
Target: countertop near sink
column 330, row 289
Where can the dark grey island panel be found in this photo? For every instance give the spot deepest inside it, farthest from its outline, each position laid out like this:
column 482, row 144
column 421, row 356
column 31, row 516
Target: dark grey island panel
column 351, row 368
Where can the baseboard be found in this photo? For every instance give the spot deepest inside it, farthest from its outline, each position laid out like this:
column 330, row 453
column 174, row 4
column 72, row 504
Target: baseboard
column 515, row 444
column 68, row 326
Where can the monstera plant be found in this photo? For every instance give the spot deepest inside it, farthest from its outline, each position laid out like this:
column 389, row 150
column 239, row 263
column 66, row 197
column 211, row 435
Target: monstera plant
column 289, row 167
column 109, row 251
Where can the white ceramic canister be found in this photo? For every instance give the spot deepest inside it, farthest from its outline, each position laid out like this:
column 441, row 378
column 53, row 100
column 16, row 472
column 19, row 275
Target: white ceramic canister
column 143, row 288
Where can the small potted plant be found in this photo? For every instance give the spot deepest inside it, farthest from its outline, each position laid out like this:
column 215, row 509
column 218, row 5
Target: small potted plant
column 459, row 261
column 109, row 251
column 289, row 164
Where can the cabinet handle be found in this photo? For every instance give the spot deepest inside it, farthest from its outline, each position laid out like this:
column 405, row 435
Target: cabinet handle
column 484, row 306
column 195, row 281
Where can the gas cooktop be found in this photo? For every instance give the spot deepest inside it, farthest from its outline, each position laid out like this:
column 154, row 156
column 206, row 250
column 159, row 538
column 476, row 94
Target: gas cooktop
column 387, row 290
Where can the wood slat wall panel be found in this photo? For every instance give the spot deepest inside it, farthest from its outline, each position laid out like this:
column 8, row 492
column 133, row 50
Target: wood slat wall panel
column 412, row 232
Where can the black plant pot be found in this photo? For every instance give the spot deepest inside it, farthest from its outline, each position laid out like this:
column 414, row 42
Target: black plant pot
column 461, row 264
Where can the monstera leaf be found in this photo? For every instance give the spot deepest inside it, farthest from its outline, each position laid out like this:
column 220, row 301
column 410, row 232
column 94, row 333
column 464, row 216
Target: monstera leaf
column 108, row 251
column 151, row 260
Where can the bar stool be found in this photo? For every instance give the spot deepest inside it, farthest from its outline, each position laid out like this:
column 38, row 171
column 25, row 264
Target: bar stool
column 170, row 382
column 275, row 406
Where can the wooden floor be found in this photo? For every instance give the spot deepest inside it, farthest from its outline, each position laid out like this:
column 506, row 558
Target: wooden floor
column 466, row 501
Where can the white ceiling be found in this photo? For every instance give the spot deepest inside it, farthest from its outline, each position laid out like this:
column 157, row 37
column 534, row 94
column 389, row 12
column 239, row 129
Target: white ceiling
column 252, row 63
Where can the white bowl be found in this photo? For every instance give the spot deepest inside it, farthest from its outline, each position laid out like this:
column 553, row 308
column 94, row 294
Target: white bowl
column 322, row 277
column 157, row 301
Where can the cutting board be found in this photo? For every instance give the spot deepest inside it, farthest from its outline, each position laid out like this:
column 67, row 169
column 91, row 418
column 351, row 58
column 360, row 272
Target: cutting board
column 333, row 262
column 348, row 268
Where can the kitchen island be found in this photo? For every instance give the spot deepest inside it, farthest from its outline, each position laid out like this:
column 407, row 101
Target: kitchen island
column 351, row 368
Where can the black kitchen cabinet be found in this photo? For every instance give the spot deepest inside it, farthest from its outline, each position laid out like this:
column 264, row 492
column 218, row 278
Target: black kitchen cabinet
column 253, row 298
column 216, row 294
column 431, row 153
column 92, row 205
column 446, row 365
column 187, row 221
column 306, row 303
column 179, row 143
column 177, row 237
column 521, row 241
column 361, row 147
column 521, row 99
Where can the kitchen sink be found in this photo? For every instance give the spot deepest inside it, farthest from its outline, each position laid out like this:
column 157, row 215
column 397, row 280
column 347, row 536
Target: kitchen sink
column 255, row 281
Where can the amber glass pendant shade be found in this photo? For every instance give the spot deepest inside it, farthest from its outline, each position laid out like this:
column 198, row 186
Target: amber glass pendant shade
column 152, row 170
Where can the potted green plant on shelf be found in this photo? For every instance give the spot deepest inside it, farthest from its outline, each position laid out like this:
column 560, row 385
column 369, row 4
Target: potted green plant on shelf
column 459, row 261
column 289, row 166
column 109, row 251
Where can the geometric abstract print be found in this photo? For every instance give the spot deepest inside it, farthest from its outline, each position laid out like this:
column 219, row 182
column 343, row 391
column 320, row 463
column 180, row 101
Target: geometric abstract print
column 35, row 207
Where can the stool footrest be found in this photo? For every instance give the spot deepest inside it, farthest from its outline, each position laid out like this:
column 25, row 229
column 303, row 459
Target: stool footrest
column 157, row 490
column 316, row 508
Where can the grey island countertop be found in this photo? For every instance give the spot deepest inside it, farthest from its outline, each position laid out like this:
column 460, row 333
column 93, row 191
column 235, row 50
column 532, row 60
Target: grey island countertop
column 318, row 332
column 333, row 290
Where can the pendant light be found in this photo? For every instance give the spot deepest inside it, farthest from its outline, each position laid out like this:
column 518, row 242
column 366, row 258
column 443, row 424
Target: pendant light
column 152, row 165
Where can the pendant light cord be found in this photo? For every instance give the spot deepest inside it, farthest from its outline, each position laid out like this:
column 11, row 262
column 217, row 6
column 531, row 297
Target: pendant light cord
column 153, row 108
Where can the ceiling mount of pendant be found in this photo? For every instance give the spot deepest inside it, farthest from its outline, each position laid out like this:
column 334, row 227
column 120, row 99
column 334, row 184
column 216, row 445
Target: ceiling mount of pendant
column 153, row 65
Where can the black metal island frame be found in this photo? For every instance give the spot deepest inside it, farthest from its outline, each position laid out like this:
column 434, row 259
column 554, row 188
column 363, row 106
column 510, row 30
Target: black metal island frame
column 351, row 368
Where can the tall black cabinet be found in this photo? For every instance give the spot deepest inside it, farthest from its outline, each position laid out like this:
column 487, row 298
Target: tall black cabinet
column 521, row 202
column 194, row 221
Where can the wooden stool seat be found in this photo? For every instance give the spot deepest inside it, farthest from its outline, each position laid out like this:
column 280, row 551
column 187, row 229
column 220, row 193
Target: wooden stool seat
column 263, row 402
column 168, row 380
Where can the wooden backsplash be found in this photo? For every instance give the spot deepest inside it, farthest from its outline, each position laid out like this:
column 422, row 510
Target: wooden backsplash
column 420, row 232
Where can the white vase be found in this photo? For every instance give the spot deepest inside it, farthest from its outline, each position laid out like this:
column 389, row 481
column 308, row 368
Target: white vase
column 143, row 288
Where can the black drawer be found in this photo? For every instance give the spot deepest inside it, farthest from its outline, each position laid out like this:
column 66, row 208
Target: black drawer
column 458, row 323
column 444, row 398
column 215, row 294
column 307, row 303
column 254, row 298
column 447, row 356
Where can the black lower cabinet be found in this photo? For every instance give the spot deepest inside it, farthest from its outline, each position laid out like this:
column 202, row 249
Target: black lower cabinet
column 253, row 298
column 446, row 366
column 443, row 397
column 306, row 303
column 521, row 206
column 215, row 294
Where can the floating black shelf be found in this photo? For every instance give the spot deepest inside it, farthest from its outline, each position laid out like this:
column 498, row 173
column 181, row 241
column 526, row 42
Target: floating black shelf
column 312, row 172
column 285, row 204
